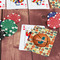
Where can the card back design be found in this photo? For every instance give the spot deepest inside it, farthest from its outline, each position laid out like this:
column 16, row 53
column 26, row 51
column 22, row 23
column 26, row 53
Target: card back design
column 55, row 3
column 44, row 46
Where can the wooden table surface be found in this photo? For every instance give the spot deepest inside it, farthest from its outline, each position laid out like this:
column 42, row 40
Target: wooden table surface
column 10, row 45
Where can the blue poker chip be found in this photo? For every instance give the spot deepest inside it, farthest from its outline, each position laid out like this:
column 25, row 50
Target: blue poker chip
column 0, row 23
column 51, row 14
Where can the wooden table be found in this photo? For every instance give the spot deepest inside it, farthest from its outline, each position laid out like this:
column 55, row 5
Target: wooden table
column 10, row 45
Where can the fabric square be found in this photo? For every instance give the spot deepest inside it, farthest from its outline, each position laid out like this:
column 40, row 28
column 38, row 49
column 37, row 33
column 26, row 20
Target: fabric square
column 55, row 3
column 45, row 51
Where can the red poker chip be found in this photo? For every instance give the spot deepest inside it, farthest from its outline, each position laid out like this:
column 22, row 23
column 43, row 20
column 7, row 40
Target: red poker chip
column 54, row 22
column 4, row 18
column 15, row 17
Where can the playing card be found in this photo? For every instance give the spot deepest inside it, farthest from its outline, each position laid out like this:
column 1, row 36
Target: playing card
column 16, row 4
column 2, row 4
column 41, row 41
column 38, row 4
column 24, row 38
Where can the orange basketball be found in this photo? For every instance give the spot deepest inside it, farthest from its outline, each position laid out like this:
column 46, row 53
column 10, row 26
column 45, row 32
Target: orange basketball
column 41, row 40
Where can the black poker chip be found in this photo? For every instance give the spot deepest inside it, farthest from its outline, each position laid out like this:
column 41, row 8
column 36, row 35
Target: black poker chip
column 2, row 34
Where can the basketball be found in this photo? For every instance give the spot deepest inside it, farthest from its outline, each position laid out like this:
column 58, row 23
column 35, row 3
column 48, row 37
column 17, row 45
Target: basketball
column 41, row 40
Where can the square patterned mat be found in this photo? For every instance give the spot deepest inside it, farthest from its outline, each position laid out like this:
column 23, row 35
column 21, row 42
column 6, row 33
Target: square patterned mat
column 45, row 51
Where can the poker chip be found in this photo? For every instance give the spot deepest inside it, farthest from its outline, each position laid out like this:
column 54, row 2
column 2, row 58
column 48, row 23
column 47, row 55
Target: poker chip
column 13, row 16
column 0, row 23
column 2, row 34
column 54, row 22
column 51, row 14
column 9, row 27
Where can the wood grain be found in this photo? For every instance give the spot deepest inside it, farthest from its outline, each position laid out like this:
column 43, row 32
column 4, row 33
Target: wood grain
column 0, row 14
column 0, row 41
column 10, row 50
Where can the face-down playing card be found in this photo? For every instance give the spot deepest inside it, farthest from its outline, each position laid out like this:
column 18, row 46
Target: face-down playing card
column 38, row 4
column 55, row 3
column 2, row 4
column 41, row 41
column 16, row 4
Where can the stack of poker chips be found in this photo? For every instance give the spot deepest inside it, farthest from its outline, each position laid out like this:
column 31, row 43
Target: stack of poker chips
column 37, row 1
column 53, row 20
column 2, row 33
column 8, row 26
column 17, row 2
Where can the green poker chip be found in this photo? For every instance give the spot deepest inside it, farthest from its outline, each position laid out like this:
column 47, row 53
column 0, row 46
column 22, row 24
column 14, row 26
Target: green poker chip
column 9, row 27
